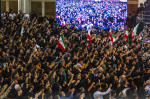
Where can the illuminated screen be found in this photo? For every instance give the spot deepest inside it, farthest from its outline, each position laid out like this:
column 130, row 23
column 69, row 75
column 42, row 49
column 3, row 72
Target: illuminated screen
column 98, row 13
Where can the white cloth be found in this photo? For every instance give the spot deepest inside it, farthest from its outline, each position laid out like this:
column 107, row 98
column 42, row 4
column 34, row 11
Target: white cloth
column 12, row 15
column 17, row 86
column 27, row 16
column 100, row 95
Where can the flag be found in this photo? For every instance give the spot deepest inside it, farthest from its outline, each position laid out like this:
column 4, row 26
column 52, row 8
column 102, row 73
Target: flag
column 127, row 42
column 89, row 37
column 106, row 4
column 36, row 47
column 134, row 31
column 141, row 36
column 61, row 43
column 111, row 36
column 120, row 10
column 63, row 23
column 126, row 36
column 22, row 30
column 58, row 17
column 65, row 75
column 143, row 31
column 141, row 43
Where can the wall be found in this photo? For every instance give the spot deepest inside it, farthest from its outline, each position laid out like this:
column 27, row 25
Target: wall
column 50, row 8
column 36, row 7
column 132, row 6
column 14, row 6
column 141, row 1
column 3, row 6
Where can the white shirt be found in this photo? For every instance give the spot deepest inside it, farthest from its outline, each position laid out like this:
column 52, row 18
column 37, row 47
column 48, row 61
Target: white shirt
column 100, row 95
column 3, row 15
column 27, row 16
column 12, row 15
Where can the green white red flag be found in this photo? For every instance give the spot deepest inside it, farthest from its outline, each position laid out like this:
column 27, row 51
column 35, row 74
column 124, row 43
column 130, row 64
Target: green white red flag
column 61, row 43
column 126, row 36
column 111, row 36
column 89, row 37
column 134, row 31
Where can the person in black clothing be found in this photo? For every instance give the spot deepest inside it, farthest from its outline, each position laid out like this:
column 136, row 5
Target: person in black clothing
column 129, row 21
column 41, row 69
column 140, row 9
column 33, row 15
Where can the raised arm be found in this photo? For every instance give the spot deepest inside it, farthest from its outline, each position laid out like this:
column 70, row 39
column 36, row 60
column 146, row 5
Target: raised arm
column 71, row 79
column 104, row 93
column 4, row 95
column 91, row 86
column 130, row 72
column 38, row 94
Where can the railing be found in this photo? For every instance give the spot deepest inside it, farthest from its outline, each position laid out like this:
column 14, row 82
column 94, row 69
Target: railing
column 146, row 17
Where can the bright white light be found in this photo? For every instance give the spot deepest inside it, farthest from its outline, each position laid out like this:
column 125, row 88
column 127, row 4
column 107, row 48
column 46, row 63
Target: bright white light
column 123, row 0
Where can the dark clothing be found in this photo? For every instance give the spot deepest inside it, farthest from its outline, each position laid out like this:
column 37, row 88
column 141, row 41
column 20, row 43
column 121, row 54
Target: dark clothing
column 129, row 22
column 140, row 9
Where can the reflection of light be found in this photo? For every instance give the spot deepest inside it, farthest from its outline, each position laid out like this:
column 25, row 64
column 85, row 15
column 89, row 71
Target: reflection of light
column 123, row 0
column 97, row 0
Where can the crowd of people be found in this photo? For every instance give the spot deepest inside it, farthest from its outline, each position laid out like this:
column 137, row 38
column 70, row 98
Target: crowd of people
column 86, row 13
column 32, row 66
column 138, row 15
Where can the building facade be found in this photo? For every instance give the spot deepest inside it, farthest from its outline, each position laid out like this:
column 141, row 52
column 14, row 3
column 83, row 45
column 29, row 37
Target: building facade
column 41, row 7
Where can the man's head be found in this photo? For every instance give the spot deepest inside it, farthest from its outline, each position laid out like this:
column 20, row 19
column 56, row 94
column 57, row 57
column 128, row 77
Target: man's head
column 148, row 82
column 79, row 76
column 20, row 11
column 141, row 5
column 139, row 14
column 17, row 87
column 123, row 77
column 62, row 94
column 146, row 4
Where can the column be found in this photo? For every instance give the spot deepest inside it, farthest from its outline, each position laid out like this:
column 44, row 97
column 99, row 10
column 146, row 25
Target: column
column 7, row 5
column 43, row 8
column 19, row 5
column 24, row 2
column 27, row 4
